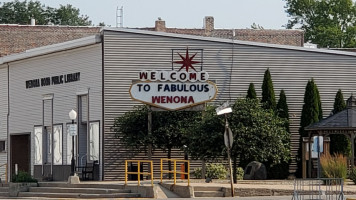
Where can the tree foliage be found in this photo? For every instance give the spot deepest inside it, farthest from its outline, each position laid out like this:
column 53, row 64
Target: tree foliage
column 328, row 23
column 205, row 138
column 168, row 128
column 339, row 103
column 132, row 127
column 259, row 134
column 268, row 97
column 17, row 12
column 339, row 143
column 251, row 92
column 282, row 108
column 311, row 111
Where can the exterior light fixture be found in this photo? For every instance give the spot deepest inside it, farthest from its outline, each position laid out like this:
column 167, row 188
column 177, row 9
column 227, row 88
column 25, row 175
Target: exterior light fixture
column 72, row 132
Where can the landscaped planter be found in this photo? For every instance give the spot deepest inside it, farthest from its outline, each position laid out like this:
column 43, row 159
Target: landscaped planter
column 15, row 188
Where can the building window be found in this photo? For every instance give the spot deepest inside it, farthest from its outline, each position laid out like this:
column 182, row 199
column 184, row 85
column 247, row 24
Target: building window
column 57, row 145
column 2, row 146
column 38, row 145
column 69, row 146
column 94, row 141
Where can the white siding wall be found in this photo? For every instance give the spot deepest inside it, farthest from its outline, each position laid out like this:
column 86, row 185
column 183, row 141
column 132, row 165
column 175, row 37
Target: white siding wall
column 26, row 104
column 3, row 117
column 125, row 54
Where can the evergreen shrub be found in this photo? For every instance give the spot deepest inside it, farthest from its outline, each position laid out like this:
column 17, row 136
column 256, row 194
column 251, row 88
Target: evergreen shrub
column 213, row 171
column 23, row 177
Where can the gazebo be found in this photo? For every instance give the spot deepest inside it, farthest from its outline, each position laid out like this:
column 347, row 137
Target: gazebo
column 343, row 122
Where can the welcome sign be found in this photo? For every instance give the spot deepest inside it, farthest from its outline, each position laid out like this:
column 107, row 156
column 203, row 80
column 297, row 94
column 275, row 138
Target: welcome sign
column 174, row 90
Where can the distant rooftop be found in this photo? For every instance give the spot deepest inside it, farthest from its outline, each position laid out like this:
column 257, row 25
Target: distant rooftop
column 18, row 38
column 283, row 37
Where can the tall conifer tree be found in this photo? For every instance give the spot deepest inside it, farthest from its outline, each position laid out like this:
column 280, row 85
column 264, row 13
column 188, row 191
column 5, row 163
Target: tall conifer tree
column 310, row 115
column 251, row 92
column 311, row 107
column 339, row 143
column 268, row 97
column 282, row 108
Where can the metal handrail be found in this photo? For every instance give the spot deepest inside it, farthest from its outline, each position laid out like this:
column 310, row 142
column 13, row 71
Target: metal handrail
column 175, row 169
column 150, row 162
column 5, row 173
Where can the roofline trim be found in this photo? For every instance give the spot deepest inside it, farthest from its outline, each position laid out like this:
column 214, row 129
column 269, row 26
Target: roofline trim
column 51, row 48
column 212, row 39
column 330, row 129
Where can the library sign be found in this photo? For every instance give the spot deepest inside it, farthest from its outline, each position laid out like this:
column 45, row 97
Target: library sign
column 174, row 90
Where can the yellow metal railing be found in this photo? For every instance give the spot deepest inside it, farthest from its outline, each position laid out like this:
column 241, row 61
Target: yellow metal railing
column 175, row 169
column 139, row 170
column 5, row 173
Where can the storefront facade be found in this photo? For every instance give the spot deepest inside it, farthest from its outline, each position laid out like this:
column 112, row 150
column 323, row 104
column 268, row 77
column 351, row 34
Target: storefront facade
column 93, row 76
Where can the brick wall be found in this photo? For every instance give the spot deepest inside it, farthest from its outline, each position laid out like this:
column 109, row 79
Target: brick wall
column 282, row 37
column 16, row 38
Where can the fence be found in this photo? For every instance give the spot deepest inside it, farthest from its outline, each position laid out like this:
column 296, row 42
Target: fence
column 138, row 170
column 175, row 169
column 318, row 189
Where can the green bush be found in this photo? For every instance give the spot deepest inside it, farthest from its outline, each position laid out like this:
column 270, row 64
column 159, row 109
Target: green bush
column 214, row 171
column 334, row 166
column 239, row 173
column 23, row 177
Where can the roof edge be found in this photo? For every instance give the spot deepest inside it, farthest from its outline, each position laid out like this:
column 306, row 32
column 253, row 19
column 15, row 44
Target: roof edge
column 214, row 39
column 52, row 48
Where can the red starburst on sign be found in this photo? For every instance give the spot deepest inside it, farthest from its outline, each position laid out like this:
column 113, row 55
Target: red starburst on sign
column 187, row 62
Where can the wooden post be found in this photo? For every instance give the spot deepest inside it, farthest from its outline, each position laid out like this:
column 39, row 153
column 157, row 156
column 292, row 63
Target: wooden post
column 310, row 156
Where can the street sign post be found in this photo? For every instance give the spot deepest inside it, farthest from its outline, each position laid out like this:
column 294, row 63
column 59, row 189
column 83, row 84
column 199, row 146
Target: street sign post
column 228, row 138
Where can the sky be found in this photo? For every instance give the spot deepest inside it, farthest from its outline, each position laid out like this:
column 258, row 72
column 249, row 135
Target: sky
column 270, row 14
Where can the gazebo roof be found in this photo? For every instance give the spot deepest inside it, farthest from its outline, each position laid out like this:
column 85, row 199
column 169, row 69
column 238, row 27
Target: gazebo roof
column 344, row 120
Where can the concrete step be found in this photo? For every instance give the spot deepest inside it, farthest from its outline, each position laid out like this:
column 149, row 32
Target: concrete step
column 80, row 185
column 208, row 194
column 207, row 188
column 4, row 189
column 77, row 190
column 4, row 194
column 78, row 195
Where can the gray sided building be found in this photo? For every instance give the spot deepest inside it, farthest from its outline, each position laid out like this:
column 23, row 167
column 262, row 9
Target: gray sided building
column 107, row 65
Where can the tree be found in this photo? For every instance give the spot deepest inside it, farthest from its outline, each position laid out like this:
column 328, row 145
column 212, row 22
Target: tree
column 69, row 15
column 17, row 12
column 169, row 128
column 328, row 23
column 259, row 134
column 339, row 143
column 268, row 97
column 132, row 127
column 257, row 26
column 167, row 132
column 205, row 139
column 251, row 93
column 311, row 112
column 282, row 108
column 339, row 103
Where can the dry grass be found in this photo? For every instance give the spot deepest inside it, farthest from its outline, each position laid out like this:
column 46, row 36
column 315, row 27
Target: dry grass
column 334, row 166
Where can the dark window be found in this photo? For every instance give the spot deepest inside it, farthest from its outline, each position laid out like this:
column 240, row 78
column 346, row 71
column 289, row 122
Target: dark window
column 2, row 146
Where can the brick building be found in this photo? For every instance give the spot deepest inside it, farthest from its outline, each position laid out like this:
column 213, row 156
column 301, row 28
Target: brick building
column 18, row 38
column 283, row 37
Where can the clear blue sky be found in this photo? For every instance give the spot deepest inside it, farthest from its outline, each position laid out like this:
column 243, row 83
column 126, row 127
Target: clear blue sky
column 182, row 13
